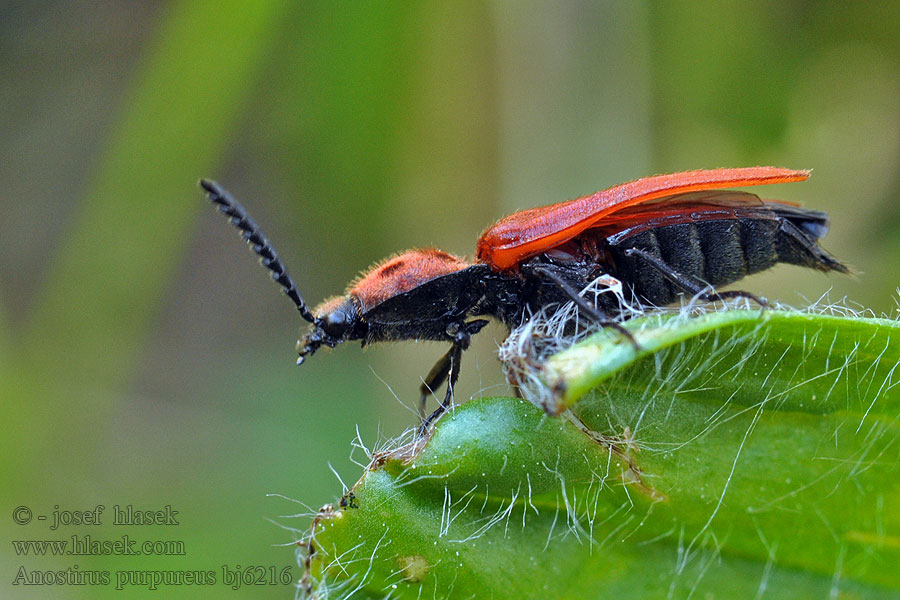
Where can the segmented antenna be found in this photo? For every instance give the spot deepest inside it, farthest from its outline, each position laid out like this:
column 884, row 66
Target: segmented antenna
column 257, row 240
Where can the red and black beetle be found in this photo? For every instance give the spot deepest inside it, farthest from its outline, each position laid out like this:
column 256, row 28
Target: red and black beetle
column 660, row 236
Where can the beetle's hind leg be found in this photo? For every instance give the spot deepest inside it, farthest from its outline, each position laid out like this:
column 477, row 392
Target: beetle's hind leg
column 584, row 306
column 689, row 284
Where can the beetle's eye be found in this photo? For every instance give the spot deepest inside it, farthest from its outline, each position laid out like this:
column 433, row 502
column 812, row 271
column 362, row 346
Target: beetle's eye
column 335, row 323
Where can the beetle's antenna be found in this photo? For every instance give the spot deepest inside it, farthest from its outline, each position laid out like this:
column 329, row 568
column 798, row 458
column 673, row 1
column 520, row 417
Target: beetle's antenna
column 257, row 240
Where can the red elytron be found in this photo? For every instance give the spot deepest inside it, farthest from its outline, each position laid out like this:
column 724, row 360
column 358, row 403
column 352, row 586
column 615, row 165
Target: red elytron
column 530, row 232
column 660, row 236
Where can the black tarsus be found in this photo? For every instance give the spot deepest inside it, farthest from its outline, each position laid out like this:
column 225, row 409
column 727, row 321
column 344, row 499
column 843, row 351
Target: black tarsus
column 585, row 307
column 251, row 233
column 687, row 284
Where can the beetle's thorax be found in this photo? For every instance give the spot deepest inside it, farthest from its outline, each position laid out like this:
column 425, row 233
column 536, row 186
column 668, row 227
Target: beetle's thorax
column 401, row 273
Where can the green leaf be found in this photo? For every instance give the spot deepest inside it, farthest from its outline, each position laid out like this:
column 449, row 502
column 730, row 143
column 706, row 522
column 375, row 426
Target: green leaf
column 737, row 454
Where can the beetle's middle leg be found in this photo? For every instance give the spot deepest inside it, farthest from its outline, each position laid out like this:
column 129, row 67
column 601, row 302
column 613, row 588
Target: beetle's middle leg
column 584, row 306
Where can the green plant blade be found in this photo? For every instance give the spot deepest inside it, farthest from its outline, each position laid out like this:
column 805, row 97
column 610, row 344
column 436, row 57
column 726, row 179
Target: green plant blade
column 749, row 348
column 107, row 279
column 734, row 456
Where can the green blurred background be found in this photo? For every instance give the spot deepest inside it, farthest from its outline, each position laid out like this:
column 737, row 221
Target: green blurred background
column 145, row 359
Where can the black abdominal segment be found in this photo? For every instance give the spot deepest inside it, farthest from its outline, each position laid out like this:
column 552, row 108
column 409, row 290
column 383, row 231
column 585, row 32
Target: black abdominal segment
column 716, row 251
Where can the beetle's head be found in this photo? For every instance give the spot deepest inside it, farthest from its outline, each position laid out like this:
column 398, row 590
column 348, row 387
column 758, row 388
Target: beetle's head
column 332, row 322
column 336, row 320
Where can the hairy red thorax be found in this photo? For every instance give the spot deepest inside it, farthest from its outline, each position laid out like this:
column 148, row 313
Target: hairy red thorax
column 401, row 273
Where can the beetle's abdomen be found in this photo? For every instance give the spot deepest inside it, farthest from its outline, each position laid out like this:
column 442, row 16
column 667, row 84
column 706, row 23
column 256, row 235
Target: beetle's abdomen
column 716, row 251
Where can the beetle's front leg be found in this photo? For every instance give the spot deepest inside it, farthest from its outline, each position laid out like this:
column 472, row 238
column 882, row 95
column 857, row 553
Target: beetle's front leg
column 448, row 367
column 435, row 378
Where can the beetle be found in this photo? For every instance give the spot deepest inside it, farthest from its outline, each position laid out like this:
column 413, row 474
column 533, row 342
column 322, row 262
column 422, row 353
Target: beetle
column 660, row 236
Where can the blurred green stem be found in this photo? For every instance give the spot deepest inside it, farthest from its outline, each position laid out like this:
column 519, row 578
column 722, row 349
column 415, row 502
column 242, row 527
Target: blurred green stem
column 106, row 282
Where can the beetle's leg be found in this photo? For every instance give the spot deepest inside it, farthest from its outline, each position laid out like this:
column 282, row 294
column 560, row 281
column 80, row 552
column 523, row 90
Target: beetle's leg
column 448, row 366
column 688, row 284
column 435, row 378
column 584, row 306
column 452, row 375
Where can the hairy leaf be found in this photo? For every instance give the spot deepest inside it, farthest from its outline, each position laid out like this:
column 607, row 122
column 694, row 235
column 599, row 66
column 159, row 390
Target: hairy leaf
column 737, row 454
